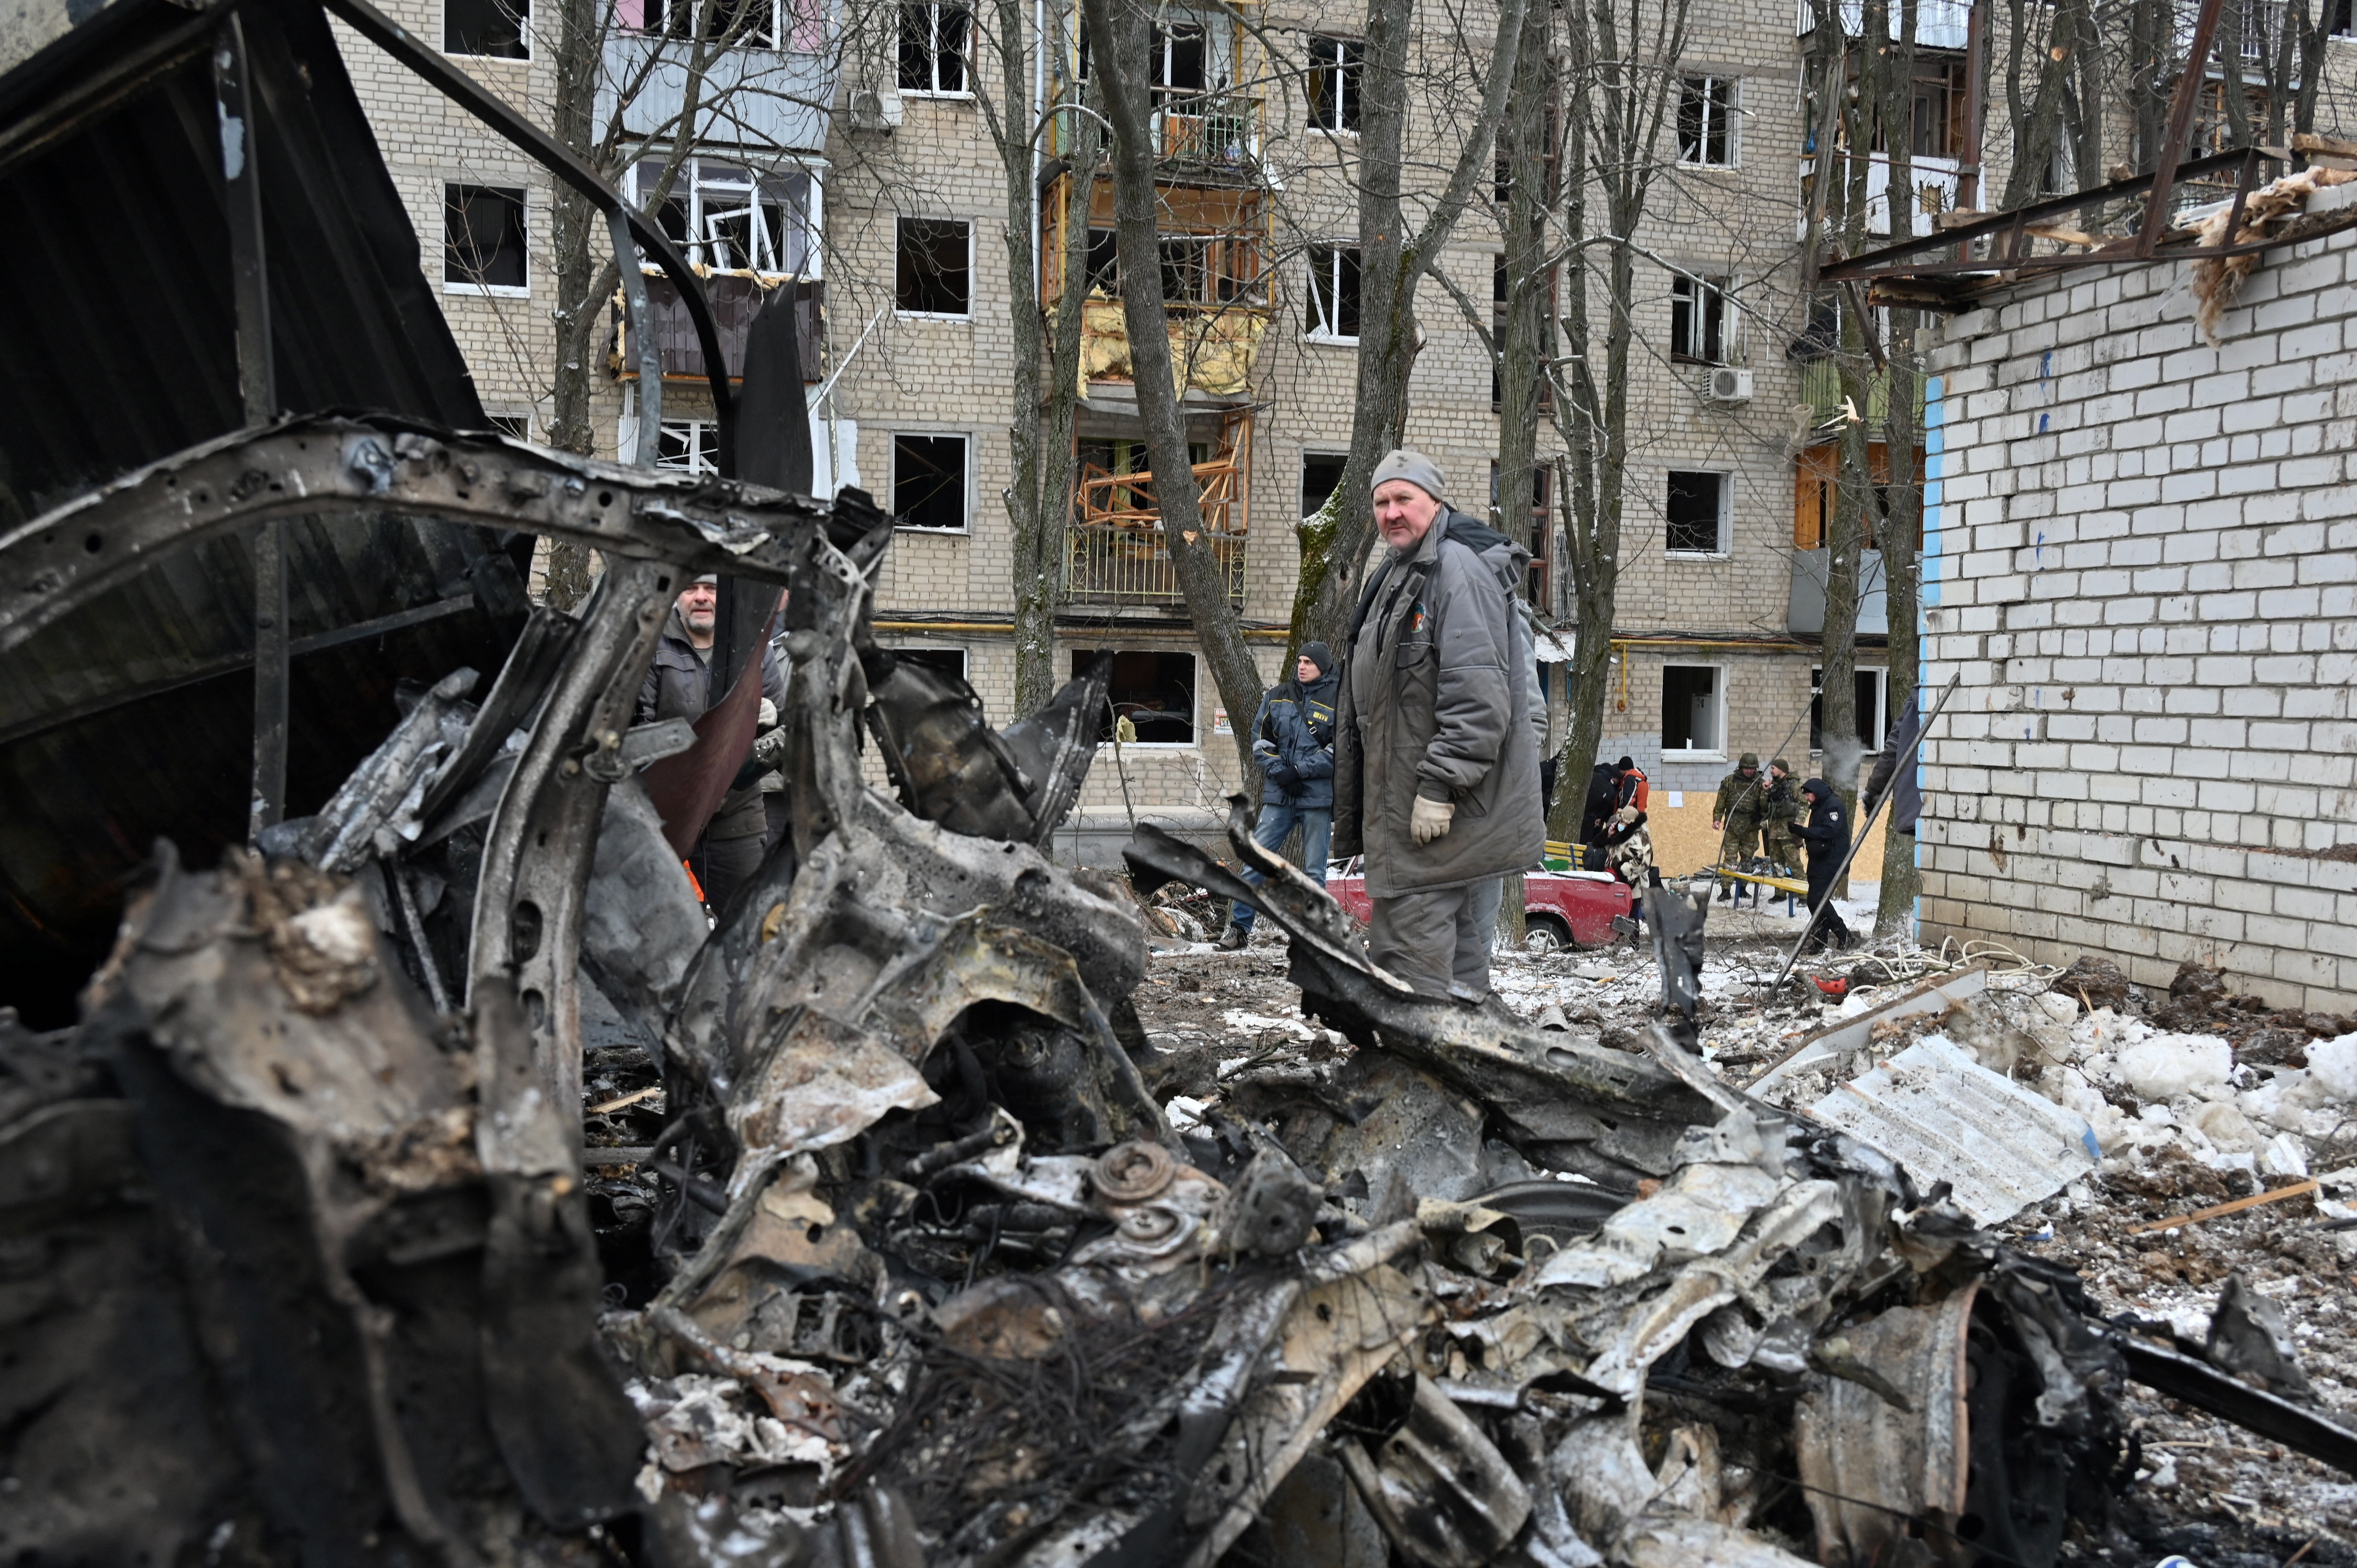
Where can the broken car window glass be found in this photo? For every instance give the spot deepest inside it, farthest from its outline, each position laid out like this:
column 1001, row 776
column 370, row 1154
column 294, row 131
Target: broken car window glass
column 483, row 238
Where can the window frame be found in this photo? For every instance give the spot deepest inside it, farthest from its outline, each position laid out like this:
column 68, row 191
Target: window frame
column 1346, row 70
column 689, row 187
column 1729, row 116
column 1693, row 293
column 695, row 431
column 1717, row 751
column 1313, row 317
column 965, row 483
column 899, row 222
column 523, row 228
column 523, row 34
column 1198, row 720
column 1881, row 678
column 1725, row 549
column 964, row 56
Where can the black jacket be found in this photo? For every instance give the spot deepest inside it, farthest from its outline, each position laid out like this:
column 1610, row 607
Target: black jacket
column 679, row 686
column 1297, row 729
column 1827, row 832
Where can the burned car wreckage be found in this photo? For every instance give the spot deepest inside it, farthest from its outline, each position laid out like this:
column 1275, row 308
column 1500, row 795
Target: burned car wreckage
column 345, row 1226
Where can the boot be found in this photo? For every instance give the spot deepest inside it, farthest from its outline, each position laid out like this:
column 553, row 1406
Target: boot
column 1234, row 940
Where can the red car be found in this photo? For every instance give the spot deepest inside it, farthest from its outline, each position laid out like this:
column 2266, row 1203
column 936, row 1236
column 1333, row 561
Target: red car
column 1571, row 908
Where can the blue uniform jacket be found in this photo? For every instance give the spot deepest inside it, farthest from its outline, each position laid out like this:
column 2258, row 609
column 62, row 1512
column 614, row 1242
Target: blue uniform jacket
column 1296, row 727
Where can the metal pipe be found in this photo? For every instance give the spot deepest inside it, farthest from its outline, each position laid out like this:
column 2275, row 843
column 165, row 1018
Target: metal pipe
column 642, row 324
column 1858, row 837
column 258, row 393
column 561, row 161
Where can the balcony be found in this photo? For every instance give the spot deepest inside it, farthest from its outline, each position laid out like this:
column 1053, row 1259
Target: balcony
column 1936, row 181
column 1211, row 345
column 737, row 298
column 1805, row 610
column 748, row 96
column 1214, row 136
column 1114, row 553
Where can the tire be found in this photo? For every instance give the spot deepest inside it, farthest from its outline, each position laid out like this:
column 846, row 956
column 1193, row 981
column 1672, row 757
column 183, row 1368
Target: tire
column 1552, row 928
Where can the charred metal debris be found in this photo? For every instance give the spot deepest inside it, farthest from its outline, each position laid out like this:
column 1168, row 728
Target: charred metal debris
column 437, row 1183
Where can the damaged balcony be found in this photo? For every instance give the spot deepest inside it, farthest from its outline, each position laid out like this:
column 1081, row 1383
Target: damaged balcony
column 737, row 297
column 1115, row 551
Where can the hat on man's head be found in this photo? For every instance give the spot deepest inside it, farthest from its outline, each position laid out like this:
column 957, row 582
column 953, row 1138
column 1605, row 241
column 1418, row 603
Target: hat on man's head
column 711, row 577
column 1415, row 467
column 1625, row 764
column 1320, row 655
column 1750, row 759
column 1779, row 762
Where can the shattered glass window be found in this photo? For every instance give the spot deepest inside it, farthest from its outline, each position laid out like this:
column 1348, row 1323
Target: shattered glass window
column 1334, row 68
column 928, row 482
column 934, row 269
column 1698, row 512
column 497, row 28
column 1698, row 319
column 483, row 239
column 735, row 220
column 933, row 43
column 1153, row 690
column 690, row 444
column 1690, row 699
column 1706, row 121
column 1334, row 292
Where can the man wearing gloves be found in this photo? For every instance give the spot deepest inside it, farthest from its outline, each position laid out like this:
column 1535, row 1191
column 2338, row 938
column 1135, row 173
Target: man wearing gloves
column 1294, row 743
column 1436, row 752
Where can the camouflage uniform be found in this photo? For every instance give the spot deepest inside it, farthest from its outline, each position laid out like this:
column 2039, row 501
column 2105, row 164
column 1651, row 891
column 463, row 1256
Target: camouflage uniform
column 1741, row 807
column 1782, row 806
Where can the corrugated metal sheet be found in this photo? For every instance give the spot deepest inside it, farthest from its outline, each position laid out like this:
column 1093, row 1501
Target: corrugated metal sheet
column 133, row 720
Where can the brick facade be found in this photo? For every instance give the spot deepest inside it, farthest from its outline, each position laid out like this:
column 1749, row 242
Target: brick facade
column 2143, row 566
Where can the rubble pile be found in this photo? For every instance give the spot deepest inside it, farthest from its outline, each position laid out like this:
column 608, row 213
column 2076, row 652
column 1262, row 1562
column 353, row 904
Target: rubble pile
column 436, row 1183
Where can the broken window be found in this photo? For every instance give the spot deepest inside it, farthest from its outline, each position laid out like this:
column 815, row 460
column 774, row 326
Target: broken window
column 1706, row 106
column 933, row 43
column 949, row 661
column 1321, row 475
column 1153, row 690
column 493, row 28
column 1698, row 512
column 928, row 482
column 735, row 220
column 1537, row 518
column 1869, row 685
column 749, row 23
column 1333, row 316
column 935, row 267
column 690, row 444
column 1698, row 319
column 483, row 239
column 1693, row 696
column 1104, row 263
column 1333, row 87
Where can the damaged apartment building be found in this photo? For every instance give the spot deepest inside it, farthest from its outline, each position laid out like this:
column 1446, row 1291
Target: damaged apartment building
column 849, row 153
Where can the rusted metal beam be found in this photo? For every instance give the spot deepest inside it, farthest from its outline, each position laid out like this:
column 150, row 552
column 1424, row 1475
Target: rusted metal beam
column 319, row 464
column 2165, row 173
column 2125, row 257
column 1887, row 262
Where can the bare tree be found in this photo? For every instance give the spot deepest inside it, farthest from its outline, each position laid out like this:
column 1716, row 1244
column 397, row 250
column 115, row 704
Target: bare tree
column 1334, row 545
column 1619, row 69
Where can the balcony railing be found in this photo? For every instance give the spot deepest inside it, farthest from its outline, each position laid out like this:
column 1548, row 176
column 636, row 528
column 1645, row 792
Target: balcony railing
column 1194, row 132
column 737, row 298
column 1115, row 551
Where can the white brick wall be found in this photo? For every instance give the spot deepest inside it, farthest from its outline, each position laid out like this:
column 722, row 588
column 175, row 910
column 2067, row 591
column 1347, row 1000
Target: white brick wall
column 2143, row 565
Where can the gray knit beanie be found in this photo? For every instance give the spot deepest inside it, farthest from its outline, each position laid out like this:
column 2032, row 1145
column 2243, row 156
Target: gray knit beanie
column 1415, row 467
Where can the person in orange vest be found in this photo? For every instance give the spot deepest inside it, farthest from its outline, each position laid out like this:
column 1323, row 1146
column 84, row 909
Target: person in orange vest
column 1631, row 788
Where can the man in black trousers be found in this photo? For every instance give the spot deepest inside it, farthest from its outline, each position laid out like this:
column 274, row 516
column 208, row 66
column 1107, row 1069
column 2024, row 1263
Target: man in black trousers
column 1827, row 832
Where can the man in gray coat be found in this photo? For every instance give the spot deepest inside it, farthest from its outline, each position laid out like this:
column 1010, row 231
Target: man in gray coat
column 1437, row 749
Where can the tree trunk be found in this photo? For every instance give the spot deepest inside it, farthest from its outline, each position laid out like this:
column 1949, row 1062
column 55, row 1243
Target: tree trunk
column 1123, row 31
column 1901, row 534
column 1334, row 546
column 1614, row 120
column 579, row 47
column 1040, row 595
column 1009, row 119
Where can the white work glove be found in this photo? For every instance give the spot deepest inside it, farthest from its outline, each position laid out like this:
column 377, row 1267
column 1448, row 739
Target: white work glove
column 1429, row 820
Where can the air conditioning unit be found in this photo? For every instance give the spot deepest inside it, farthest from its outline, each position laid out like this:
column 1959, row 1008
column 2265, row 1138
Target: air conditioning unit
column 874, row 109
column 1728, row 384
